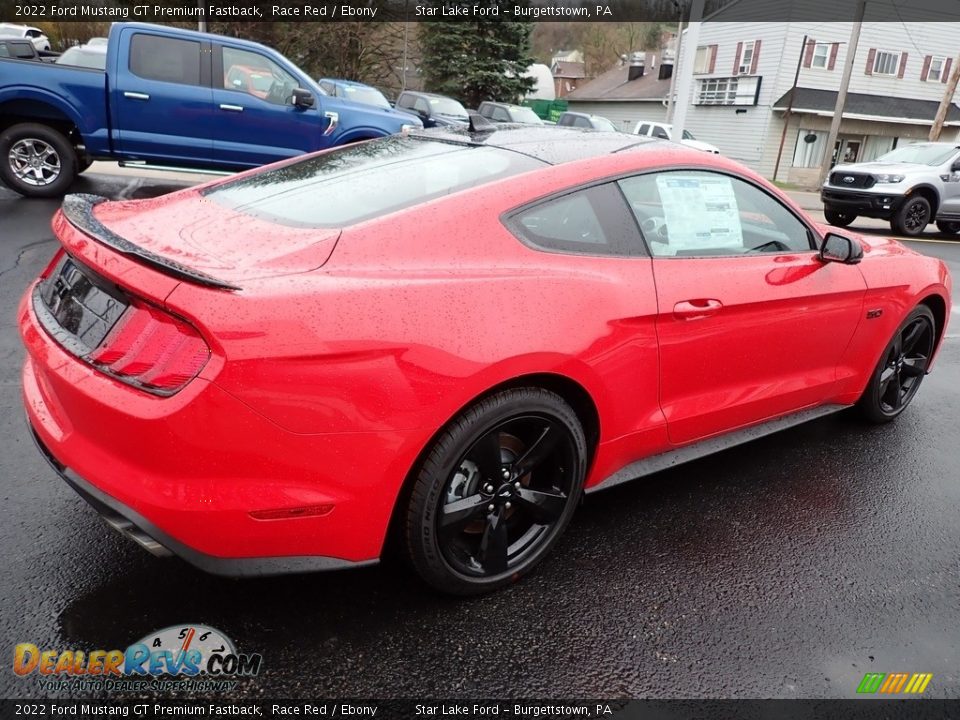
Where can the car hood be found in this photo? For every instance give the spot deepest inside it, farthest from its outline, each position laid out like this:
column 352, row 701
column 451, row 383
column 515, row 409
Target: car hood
column 189, row 230
column 878, row 167
column 698, row 145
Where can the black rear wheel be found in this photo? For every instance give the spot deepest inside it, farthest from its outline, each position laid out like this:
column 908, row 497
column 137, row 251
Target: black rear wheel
column 36, row 160
column 949, row 227
column 840, row 218
column 898, row 375
column 497, row 489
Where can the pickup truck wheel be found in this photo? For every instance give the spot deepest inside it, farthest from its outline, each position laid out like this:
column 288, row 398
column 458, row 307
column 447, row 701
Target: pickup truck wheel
column 838, row 217
column 913, row 217
column 948, row 227
column 36, row 160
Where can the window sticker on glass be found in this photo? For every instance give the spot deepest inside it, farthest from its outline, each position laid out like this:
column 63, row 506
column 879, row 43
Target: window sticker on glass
column 700, row 212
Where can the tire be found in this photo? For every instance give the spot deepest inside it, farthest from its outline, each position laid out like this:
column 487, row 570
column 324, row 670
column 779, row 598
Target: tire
column 83, row 163
column 948, row 227
column 912, row 217
column 902, row 366
column 511, row 504
column 21, row 145
column 838, row 217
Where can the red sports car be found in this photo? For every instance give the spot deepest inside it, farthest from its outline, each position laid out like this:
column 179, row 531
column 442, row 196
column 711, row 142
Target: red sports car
column 447, row 339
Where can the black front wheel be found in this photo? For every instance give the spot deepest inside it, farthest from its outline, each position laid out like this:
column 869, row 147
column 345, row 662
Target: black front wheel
column 840, row 218
column 497, row 489
column 913, row 217
column 949, row 227
column 897, row 377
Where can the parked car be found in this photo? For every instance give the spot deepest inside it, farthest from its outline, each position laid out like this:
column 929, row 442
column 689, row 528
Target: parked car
column 34, row 35
column 506, row 113
column 98, row 42
column 161, row 104
column 664, row 131
column 433, row 110
column 85, row 56
column 910, row 186
column 446, row 338
column 355, row 91
column 585, row 121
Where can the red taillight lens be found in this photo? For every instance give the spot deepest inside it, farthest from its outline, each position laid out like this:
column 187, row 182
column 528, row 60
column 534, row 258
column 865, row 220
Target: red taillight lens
column 151, row 349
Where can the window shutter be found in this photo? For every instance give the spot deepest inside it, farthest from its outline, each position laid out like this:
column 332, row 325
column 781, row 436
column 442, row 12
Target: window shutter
column 756, row 58
column 903, row 65
column 834, row 49
column 926, row 68
column 736, row 59
column 713, row 58
column 871, row 56
column 808, row 52
column 945, row 73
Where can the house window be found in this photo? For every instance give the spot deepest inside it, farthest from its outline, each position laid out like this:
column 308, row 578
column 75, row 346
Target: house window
column 935, row 71
column 886, row 63
column 728, row 91
column 746, row 57
column 701, row 63
column 821, row 55
column 809, row 149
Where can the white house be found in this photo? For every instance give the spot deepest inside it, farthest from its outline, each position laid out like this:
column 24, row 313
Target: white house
column 743, row 83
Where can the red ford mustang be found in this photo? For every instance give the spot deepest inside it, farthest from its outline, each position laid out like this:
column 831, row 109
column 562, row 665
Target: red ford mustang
column 446, row 339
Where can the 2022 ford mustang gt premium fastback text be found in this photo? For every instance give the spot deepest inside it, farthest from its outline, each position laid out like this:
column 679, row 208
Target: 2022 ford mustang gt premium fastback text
column 446, row 339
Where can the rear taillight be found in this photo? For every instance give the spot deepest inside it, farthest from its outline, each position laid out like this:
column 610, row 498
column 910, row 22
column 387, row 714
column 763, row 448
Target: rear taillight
column 151, row 349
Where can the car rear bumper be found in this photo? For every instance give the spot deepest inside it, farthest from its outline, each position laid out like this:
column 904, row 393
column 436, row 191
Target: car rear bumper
column 860, row 202
column 205, row 477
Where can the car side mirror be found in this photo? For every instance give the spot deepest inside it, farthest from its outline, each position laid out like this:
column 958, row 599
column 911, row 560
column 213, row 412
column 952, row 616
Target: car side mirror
column 955, row 167
column 302, row 99
column 837, row 248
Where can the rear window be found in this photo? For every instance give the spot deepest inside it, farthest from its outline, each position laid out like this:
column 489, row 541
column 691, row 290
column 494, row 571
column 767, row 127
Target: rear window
column 368, row 180
column 165, row 59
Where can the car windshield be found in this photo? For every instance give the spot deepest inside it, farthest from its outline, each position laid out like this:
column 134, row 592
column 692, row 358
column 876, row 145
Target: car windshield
column 360, row 182
column 601, row 123
column 525, row 115
column 448, row 107
column 687, row 135
column 80, row 57
column 366, row 96
column 921, row 153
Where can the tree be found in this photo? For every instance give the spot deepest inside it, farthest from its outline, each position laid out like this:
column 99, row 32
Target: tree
column 478, row 60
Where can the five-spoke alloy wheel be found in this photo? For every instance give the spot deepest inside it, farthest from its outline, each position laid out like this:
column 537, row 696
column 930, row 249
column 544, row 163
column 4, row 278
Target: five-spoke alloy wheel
column 495, row 492
column 897, row 377
column 36, row 160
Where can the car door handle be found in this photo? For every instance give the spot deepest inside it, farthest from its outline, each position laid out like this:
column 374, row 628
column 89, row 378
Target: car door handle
column 697, row 309
column 136, row 95
column 231, row 108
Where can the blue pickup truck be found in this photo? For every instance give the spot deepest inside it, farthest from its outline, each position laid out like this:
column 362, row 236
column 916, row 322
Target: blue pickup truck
column 169, row 98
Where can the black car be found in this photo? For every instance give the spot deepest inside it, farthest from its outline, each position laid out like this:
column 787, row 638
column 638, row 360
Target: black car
column 433, row 110
column 23, row 50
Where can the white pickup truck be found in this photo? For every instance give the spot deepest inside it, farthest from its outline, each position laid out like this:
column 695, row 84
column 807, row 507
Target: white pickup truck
column 910, row 186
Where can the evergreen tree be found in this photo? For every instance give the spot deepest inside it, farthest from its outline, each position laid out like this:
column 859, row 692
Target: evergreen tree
column 475, row 60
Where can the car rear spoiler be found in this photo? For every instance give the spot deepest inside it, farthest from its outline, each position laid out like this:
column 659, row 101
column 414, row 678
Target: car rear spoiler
column 78, row 210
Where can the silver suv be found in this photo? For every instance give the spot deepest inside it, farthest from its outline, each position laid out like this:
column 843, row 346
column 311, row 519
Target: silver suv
column 911, row 187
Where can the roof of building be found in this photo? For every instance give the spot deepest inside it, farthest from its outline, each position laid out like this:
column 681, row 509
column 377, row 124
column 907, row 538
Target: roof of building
column 886, row 107
column 567, row 69
column 613, row 86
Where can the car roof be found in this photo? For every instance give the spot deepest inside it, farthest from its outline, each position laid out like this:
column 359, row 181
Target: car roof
column 550, row 144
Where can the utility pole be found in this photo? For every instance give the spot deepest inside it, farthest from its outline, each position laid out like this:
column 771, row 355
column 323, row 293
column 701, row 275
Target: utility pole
column 842, row 93
column 946, row 102
column 202, row 22
column 677, row 49
column 685, row 81
column 786, row 115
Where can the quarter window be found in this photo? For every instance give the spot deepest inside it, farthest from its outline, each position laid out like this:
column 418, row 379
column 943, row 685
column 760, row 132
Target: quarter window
column 165, row 59
column 696, row 213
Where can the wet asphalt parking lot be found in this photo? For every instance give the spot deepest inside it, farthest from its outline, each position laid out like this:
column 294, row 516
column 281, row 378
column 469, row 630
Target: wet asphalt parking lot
column 785, row 568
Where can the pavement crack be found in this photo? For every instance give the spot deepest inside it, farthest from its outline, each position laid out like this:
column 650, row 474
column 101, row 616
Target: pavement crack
column 22, row 253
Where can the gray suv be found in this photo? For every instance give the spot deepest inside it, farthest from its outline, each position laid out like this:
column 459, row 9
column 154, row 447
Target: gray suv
column 911, row 187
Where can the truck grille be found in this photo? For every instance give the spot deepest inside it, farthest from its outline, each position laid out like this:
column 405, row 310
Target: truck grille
column 859, row 180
